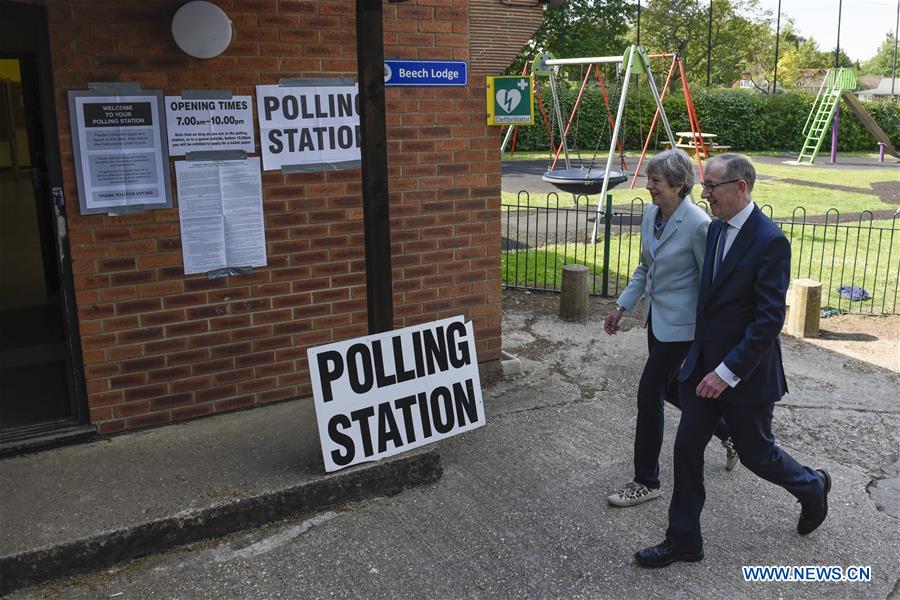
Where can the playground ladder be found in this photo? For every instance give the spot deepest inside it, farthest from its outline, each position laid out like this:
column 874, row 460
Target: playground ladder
column 818, row 123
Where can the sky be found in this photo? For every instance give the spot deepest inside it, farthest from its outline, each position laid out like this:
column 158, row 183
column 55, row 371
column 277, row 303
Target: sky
column 864, row 23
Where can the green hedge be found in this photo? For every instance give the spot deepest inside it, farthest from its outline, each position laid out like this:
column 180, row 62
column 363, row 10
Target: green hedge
column 745, row 121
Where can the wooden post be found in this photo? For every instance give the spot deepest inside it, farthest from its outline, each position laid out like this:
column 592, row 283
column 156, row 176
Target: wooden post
column 806, row 306
column 373, row 142
column 573, row 299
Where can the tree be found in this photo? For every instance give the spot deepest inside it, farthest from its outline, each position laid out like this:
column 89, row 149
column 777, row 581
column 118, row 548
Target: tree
column 882, row 62
column 742, row 36
column 798, row 58
column 580, row 28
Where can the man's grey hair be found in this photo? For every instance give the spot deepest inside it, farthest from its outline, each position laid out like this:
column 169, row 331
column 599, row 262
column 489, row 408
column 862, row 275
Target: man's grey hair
column 737, row 166
column 675, row 167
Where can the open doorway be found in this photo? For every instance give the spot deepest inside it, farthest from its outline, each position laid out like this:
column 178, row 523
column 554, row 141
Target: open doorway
column 41, row 381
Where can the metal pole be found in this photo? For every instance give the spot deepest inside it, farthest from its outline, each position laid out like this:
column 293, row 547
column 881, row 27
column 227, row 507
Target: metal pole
column 837, row 50
column 894, row 65
column 615, row 136
column 607, row 238
column 373, row 151
column 556, row 109
column 709, row 46
column 837, row 109
column 651, row 83
column 777, row 40
column 639, row 24
column 834, row 130
column 506, row 138
column 588, row 60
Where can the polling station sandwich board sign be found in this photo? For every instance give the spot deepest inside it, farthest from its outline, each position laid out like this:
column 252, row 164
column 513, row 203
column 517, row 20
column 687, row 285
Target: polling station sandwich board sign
column 510, row 100
column 316, row 126
column 380, row 395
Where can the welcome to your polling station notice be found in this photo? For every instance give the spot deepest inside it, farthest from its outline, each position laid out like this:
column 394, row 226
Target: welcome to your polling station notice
column 383, row 394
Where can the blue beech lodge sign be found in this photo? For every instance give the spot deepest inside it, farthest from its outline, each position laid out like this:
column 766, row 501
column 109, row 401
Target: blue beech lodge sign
column 426, row 72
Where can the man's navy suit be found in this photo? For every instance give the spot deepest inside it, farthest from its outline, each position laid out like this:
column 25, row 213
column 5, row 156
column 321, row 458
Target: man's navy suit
column 740, row 313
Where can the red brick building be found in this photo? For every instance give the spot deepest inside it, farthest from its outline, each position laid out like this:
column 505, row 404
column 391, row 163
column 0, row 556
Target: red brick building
column 115, row 336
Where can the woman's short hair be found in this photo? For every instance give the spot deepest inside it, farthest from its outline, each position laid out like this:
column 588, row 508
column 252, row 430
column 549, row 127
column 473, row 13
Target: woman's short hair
column 675, row 167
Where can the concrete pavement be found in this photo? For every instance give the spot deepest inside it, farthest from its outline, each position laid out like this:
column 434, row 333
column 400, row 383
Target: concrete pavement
column 519, row 511
column 86, row 507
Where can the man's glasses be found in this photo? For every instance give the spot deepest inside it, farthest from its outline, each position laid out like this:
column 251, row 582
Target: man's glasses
column 709, row 188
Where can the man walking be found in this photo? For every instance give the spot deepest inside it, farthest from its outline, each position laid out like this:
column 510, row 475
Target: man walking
column 733, row 368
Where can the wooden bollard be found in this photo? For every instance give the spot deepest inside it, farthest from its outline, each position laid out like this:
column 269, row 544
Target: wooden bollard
column 806, row 306
column 573, row 299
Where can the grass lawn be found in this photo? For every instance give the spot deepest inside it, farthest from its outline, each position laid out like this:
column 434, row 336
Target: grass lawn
column 783, row 197
column 621, row 195
column 857, row 178
column 868, row 257
column 836, row 255
column 844, row 255
column 542, row 268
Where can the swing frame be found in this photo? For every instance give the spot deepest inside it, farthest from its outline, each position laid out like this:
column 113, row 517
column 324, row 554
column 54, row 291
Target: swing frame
column 632, row 54
column 701, row 152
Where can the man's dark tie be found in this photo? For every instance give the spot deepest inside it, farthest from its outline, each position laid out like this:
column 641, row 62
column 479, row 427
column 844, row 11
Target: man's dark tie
column 720, row 250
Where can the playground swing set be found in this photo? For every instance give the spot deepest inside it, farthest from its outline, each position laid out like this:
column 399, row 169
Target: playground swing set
column 590, row 179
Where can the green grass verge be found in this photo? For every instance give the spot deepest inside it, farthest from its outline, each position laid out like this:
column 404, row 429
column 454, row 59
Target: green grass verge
column 542, row 267
column 843, row 255
column 835, row 255
column 856, row 178
column 783, row 197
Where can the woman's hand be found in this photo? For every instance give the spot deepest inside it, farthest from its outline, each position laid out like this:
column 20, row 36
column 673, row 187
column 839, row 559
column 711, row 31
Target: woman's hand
column 611, row 324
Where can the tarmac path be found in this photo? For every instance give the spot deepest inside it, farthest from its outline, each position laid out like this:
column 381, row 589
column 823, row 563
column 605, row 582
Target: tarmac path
column 520, row 510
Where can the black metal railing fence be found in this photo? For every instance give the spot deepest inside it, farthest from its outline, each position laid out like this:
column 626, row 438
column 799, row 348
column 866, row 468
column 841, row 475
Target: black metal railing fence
column 860, row 256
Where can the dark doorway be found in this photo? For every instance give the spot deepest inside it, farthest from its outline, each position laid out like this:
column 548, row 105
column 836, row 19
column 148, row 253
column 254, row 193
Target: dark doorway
column 41, row 381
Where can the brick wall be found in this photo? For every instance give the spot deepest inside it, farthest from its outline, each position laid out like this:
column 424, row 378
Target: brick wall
column 160, row 346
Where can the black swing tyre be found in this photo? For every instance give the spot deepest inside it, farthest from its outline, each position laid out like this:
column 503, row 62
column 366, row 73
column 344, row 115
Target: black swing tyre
column 583, row 181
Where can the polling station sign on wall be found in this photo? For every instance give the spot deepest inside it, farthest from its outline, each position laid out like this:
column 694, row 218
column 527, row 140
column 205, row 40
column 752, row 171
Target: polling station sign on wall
column 383, row 394
column 313, row 126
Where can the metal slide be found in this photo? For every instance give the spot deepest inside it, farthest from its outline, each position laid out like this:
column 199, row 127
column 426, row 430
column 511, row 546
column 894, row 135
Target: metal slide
column 866, row 119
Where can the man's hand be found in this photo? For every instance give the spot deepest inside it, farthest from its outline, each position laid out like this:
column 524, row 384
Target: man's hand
column 712, row 386
column 611, row 324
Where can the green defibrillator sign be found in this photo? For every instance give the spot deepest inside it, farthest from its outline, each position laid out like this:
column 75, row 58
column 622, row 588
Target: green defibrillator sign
column 510, row 100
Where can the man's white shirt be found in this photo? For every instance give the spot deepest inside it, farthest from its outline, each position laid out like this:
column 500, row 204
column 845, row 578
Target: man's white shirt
column 730, row 233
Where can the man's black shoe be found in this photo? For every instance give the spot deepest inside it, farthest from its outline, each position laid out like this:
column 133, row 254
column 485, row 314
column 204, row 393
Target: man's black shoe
column 813, row 514
column 666, row 553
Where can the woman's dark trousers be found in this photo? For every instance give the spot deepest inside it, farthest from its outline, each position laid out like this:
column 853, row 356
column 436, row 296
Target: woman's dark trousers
column 658, row 385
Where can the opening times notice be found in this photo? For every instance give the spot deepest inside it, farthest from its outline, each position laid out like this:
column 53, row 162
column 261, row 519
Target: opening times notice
column 204, row 125
column 221, row 212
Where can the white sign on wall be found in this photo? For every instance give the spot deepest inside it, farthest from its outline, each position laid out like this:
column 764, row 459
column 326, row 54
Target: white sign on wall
column 202, row 125
column 119, row 150
column 220, row 207
column 308, row 125
column 383, row 394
